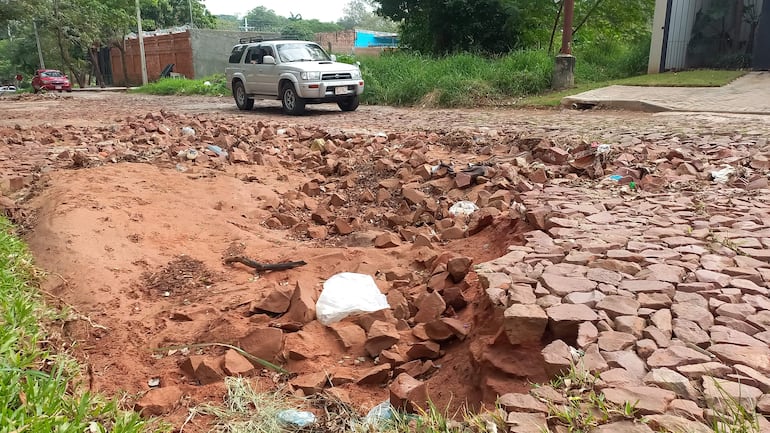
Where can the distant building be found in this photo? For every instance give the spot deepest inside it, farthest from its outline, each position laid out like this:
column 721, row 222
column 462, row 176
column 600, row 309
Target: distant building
column 710, row 34
column 195, row 53
column 357, row 41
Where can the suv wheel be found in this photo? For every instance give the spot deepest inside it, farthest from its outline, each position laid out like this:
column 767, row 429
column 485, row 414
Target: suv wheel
column 348, row 104
column 291, row 102
column 241, row 99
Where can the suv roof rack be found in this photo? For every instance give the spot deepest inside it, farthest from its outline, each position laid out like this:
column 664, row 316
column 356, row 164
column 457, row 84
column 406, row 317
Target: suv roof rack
column 251, row 39
column 261, row 39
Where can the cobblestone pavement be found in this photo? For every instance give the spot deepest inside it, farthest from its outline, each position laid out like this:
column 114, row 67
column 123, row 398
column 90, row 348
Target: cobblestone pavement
column 748, row 94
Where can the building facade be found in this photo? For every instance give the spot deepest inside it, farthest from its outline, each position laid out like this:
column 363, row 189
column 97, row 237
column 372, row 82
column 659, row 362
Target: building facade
column 725, row 34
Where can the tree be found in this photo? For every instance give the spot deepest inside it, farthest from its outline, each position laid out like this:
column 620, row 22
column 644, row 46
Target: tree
column 360, row 14
column 17, row 10
column 263, row 19
column 160, row 14
column 444, row 26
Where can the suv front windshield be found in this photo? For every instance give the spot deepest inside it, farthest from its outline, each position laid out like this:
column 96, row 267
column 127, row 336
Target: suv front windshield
column 301, row 52
column 51, row 74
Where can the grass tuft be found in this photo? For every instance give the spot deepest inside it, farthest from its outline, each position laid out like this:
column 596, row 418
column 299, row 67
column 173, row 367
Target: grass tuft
column 40, row 391
column 732, row 417
column 183, row 86
column 247, row 410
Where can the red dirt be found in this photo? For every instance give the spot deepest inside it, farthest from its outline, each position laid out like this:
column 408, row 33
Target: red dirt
column 133, row 245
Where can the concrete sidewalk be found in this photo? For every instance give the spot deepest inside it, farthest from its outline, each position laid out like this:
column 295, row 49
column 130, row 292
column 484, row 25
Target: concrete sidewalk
column 749, row 94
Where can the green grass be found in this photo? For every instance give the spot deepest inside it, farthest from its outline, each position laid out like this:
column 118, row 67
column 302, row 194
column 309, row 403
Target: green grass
column 697, row 78
column 40, row 391
column 182, row 86
column 457, row 80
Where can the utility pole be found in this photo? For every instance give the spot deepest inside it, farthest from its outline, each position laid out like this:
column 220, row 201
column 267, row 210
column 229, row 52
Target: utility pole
column 37, row 40
column 142, row 60
column 566, row 36
column 192, row 23
column 564, row 71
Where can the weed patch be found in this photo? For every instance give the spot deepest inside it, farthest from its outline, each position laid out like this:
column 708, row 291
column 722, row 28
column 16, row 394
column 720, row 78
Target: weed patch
column 216, row 86
column 40, row 390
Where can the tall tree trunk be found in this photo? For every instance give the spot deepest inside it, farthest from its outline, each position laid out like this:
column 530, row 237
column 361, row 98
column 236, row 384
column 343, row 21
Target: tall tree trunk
column 93, row 52
column 555, row 26
column 121, row 46
column 65, row 58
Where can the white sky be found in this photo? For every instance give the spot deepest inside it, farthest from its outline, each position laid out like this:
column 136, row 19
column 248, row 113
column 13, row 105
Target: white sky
column 322, row 10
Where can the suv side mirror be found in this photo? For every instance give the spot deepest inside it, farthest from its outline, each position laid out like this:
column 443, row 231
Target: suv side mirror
column 268, row 60
column 334, row 57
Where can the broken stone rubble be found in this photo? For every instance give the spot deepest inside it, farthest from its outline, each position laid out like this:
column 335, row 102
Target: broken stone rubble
column 639, row 250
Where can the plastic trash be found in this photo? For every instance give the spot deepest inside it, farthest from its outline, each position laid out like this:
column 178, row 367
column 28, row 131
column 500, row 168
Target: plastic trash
column 181, row 168
column 348, row 293
column 723, row 175
column 615, row 177
column 603, row 148
column 192, row 154
column 378, row 414
column 207, row 83
column 216, row 149
column 188, row 131
column 299, row 418
column 463, row 208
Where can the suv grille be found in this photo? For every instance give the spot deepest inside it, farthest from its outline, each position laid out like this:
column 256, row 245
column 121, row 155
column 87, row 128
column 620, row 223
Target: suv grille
column 339, row 76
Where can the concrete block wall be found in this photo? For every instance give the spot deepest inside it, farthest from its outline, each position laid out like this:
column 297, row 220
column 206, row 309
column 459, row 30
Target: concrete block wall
column 212, row 48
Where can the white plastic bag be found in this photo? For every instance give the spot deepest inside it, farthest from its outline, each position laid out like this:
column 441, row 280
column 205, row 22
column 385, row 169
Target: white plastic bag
column 348, row 293
column 463, row 208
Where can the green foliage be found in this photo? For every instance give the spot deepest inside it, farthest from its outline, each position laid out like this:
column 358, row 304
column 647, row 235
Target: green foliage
column 496, row 26
column 39, row 391
column 297, row 30
column 360, row 14
column 181, row 86
column 586, row 407
column 294, row 27
column 161, row 14
column 227, row 22
column 608, row 59
column 447, row 26
column 458, row 80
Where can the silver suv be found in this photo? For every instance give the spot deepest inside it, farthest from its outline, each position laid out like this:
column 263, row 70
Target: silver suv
column 296, row 72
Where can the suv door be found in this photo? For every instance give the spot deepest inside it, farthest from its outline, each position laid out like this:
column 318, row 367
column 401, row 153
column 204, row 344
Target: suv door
column 267, row 74
column 250, row 69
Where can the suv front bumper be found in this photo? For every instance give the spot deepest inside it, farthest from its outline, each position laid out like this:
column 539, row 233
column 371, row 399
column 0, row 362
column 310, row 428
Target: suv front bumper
column 331, row 90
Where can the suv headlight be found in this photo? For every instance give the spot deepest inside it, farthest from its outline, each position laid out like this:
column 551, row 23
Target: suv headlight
column 310, row 75
column 356, row 75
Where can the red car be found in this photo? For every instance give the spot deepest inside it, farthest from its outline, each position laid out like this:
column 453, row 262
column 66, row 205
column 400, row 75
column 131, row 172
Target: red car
column 50, row 79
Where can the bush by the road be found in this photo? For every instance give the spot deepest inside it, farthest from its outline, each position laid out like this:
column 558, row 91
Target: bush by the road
column 181, row 86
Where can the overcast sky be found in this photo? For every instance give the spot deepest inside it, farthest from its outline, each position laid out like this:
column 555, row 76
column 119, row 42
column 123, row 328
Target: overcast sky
column 323, row 10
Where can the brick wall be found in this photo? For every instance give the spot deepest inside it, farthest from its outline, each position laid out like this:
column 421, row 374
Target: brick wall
column 337, row 42
column 159, row 51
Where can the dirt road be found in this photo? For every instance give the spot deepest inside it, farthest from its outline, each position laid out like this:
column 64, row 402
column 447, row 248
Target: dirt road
column 132, row 216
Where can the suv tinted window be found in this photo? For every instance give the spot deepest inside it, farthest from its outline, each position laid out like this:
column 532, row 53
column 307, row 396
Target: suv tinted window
column 235, row 56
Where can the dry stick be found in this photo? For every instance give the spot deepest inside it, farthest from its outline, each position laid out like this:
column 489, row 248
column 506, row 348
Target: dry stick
column 260, row 361
column 78, row 314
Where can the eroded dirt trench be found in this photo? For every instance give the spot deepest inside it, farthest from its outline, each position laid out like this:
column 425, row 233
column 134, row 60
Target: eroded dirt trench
column 132, row 216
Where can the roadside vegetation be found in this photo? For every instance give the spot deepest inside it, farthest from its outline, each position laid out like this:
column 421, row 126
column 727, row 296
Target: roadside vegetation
column 41, row 390
column 213, row 85
column 519, row 78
